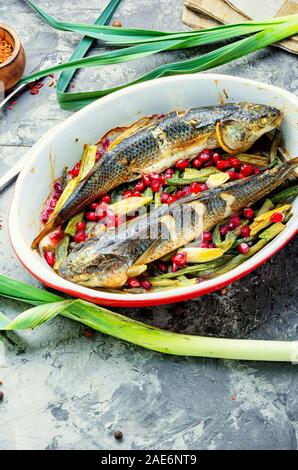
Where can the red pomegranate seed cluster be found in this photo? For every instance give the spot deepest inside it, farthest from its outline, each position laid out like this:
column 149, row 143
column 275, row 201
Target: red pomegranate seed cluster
column 51, row 202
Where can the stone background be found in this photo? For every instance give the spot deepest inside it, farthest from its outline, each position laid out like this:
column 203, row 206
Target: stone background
column 64, row 391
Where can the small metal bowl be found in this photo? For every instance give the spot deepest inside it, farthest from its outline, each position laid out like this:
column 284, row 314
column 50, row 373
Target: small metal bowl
column 13, row 68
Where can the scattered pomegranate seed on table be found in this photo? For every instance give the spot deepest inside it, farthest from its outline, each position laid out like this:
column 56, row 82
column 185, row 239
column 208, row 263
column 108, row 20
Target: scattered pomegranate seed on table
column 88, row 334
column 277, row 217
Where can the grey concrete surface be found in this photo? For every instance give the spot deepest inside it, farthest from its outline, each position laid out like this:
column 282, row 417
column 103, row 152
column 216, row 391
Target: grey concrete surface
column 64, row 391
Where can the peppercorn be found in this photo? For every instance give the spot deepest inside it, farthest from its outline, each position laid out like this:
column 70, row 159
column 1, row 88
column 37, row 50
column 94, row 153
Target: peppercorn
column 118, row 435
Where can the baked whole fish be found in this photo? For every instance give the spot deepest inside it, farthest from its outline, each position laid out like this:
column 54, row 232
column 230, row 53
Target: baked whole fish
column 103, row 261
column 178, row 135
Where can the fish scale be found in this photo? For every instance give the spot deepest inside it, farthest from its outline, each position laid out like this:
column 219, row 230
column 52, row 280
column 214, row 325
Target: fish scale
column 104, row 261
column 178, row 135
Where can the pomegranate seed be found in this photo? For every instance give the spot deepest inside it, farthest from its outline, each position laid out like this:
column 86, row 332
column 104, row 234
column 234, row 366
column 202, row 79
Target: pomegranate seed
column 248, row 213
column 58, row 188
column 207, row 236
column 182, row 164
column 277, row 217
column 235, row 162
column 140, row 186
column 91, row 216
column 133, row 282
column 99, row 154
column 233, row 175
column 154, row 176
column 245, row 231
column 197, row 187
column 216, row 157
column 175, row 268
column 80, row 236
column 171, row 199
column 169, row 173
column 256, row 171
column 162, row 267
column 243, row 248
column 146, row 180
column 57, row 235
column 101, row 213
column 234, row 222
column 204, row 245
column 197, row 162
column 179, row 259
column 88, row 334
column 76, row 170
column 155, row 186
column 224, row 230
column 106, row 198
column 94, row 206
column 223, row 165
column 127, row 193
column 50, row 258
column 164, row 197
column 136, row 194
column 204, row 156
column 163, row 179
column 180, row 193
column 81, row 226
column 146, row 284
column 246, row 169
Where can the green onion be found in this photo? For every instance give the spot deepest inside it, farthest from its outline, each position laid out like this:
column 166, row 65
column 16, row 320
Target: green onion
column 147, row 42
column 135, row 332
column 287, row 195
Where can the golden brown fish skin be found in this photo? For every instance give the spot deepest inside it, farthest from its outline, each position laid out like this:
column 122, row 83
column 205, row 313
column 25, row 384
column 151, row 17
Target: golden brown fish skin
column 103, row 261
column 177, row 135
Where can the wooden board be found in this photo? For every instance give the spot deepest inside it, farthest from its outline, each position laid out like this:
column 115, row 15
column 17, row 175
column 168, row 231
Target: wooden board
column 206, row 13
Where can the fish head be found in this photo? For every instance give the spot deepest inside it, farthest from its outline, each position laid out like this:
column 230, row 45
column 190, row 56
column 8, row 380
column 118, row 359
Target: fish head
column 239, row 130
column 88, row 267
